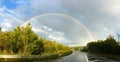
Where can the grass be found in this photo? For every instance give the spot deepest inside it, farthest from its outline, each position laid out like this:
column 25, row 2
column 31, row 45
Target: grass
column 39, row 58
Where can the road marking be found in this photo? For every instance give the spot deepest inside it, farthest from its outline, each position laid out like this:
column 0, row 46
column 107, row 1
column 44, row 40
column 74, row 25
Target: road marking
column 86, row 58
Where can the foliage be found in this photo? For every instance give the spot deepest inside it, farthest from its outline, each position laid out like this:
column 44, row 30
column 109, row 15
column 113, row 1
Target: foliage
column 0, row 28
column 109, row 46
column 23, row 41
column 84, row 49
column 51, row 47
column 77, row 48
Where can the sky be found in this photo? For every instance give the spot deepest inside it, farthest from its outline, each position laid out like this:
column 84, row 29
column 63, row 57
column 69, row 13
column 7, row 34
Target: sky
column 81, row 19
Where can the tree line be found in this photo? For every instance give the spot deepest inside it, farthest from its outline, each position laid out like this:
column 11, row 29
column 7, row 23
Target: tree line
column 108, row 46
column 23, row 41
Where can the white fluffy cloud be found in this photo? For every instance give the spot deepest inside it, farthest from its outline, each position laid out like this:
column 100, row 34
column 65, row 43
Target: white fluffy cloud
column 8, row 19
column 51, row 34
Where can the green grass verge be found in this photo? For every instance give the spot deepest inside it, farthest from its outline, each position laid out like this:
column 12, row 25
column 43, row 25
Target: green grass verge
column 39, row 58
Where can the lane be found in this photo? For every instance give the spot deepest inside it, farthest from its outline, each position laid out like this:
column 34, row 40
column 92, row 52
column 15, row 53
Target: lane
column 95, row 58
column 76, row 56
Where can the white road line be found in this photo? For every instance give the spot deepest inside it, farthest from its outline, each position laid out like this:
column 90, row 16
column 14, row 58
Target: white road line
column 86, row 58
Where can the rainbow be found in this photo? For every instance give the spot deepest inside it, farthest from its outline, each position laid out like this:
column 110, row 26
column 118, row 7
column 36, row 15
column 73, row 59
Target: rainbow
column 67, row 16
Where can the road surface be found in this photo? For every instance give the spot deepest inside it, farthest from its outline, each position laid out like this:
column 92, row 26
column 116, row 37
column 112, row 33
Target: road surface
column 76, row 56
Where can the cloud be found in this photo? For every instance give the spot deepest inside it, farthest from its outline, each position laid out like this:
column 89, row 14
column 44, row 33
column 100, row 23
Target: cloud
column 8, row 19
column 37, row 30
column 73, row 32
column 8, row 25
column 101, row 17
column 50, row 34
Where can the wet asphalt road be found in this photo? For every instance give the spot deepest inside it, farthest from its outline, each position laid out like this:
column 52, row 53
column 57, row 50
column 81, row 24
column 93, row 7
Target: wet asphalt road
column 76, row 56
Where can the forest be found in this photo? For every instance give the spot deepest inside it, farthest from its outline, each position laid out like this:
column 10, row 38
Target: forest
column 23, row 41
column 108, row 46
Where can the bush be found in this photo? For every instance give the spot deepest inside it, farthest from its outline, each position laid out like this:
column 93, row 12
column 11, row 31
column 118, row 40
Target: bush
column 84, row 49
column 109, row 46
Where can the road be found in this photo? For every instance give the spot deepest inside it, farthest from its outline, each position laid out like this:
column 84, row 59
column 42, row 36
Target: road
column 95, row 58
column 76, row 56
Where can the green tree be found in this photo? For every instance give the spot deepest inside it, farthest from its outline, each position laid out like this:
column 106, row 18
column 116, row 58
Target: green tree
column 37, row 48
column 110, row 45
column 107, row 46
column 0, row 29
column 25, row 40
column 22, row 40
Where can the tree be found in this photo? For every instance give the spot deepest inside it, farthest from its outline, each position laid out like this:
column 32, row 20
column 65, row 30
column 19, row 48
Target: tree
column 37, row 48
column 27, row 41
column 107, row 46
column 0, row 29
column 111, row 45
column 22, row 40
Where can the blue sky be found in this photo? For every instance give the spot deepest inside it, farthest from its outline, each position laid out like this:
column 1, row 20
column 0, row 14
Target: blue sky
column 100, row 17
column 9, row 4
